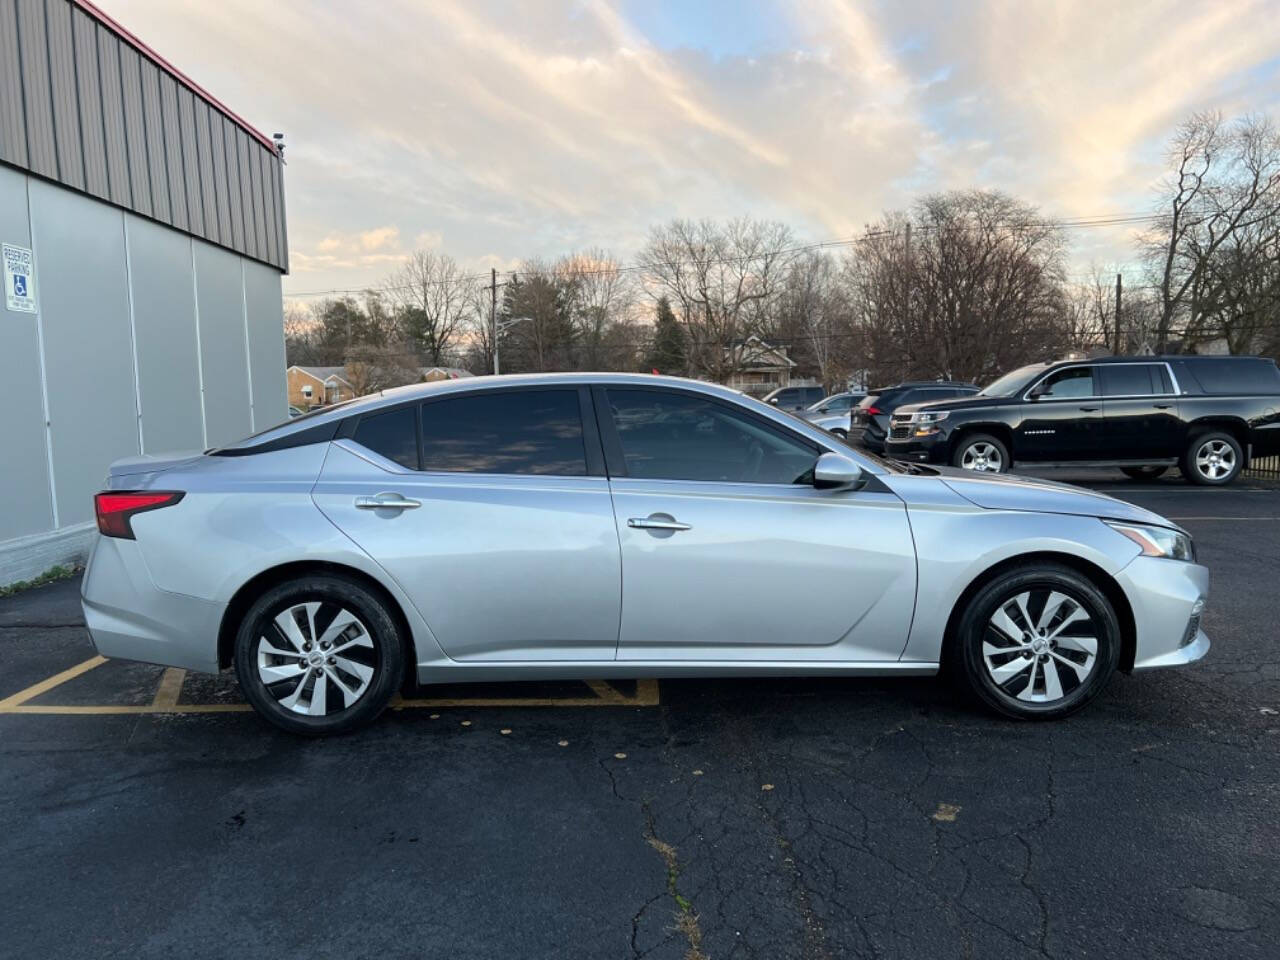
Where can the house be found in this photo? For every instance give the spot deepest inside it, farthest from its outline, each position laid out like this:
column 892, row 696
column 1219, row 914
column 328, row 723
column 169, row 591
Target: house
column 759, row 367
column 317, row 386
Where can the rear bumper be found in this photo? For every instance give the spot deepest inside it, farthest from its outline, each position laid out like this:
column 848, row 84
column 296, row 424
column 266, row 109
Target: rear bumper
column 130, row 618
column 1165, row 596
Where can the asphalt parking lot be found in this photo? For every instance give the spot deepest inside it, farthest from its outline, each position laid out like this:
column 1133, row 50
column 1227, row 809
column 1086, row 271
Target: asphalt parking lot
column 147, row 814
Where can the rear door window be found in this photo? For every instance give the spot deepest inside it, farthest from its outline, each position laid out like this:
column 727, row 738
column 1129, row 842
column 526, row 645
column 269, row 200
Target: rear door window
column 393, row 434
column 1130, row 379
column 512, row 431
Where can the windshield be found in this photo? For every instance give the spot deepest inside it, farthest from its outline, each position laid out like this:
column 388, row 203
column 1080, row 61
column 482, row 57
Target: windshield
column 1011, row 382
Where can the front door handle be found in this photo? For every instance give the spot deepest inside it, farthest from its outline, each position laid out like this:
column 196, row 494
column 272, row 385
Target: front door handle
column 386, row 501
column 1090, row 409
column 657, row 522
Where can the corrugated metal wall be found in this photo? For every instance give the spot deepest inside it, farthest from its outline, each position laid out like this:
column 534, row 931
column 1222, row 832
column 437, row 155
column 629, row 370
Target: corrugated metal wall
column 145, row 340
column 79, row 104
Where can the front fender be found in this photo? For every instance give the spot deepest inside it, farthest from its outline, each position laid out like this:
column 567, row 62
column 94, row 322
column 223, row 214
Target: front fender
column 955, row 546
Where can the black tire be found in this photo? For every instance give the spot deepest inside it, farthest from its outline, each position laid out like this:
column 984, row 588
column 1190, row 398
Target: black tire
column 371, row 641
column 1143, row 473
column 1198, row 465
column 973, row 443
column 842, row 434
column 976, row 669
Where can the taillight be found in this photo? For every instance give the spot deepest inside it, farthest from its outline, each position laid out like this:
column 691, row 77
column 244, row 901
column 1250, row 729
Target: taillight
column 874, row 411
column 116, row 508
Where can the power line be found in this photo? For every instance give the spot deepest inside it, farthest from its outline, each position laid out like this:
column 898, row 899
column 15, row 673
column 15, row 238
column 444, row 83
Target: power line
column 1075, row 223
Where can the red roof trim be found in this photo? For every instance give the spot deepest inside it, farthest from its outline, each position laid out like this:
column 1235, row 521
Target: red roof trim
column 132, row 39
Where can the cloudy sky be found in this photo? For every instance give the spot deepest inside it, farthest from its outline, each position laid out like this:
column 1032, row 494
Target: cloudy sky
column 497, row 129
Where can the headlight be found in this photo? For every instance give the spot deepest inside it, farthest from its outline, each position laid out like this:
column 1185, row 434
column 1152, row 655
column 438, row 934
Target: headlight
column 1158, row 541
column 929, row 416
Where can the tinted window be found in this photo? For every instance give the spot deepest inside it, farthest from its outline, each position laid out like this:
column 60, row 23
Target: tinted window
column 1130, row 380
column 1228, row 376
column 674, row 436
column 1073, row 382
column 524, row 431
column 393, row 434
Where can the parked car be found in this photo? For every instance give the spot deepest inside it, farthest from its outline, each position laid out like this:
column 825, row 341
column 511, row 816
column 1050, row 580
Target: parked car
column 1206, row 415
column 616, row 525
column 832, row 414
column 795, row 399
column 870, row 422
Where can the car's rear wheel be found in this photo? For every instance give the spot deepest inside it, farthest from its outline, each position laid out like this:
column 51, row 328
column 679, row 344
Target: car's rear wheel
column 1212, row 459
column 1143, row 473
column 1037, row 642
column 981, row 453
column 842, row 434
column 319, row 655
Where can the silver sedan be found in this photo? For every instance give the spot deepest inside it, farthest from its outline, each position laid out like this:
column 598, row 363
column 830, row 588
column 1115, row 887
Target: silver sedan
column 615, row 525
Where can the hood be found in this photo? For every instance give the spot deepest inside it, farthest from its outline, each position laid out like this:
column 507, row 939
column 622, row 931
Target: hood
column 971, row 402
column 1004, row 492
column 152, row 463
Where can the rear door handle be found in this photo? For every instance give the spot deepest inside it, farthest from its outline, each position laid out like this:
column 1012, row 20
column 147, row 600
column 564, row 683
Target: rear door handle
column 657, row 523
column 1090, row 409
column 1163, row 406
column 386, row 501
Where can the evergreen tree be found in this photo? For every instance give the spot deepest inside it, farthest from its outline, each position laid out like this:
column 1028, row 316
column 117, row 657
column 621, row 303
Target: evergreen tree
column 667, row 355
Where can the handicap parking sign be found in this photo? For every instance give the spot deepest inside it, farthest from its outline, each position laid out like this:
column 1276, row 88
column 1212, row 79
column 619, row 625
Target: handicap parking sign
column 19, row 278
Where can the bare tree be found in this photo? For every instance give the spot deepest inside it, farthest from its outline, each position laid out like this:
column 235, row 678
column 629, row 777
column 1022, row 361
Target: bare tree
column 598, row 296
column 430, row 296
column 721, row 278
column 1223, row 186
column 967, row 285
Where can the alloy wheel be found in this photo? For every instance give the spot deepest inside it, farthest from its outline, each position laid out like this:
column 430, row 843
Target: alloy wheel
column 1040, row 646
column 1215, row 459
column 316, row 658
column 983, row 457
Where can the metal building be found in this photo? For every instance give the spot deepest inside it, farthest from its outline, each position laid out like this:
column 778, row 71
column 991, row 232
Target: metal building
column 143, row 235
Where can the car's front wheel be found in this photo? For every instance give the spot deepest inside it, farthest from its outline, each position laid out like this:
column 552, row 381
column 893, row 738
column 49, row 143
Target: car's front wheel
column 1037, row 642
column 982, row 453
column 842, row 434
column 319, row 655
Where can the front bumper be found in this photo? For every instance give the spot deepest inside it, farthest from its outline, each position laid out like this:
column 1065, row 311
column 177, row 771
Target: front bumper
column 930, row 449
column 130, row 618
column 1165, row 595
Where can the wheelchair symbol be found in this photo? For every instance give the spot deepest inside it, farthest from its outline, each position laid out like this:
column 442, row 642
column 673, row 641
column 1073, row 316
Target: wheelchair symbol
column 19, row 285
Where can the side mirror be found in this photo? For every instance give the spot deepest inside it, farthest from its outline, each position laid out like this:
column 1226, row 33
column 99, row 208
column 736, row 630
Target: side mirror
column 836, row 472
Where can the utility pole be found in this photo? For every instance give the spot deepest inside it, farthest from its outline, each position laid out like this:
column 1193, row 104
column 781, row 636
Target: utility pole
column 1119, row 287
column 493, row 314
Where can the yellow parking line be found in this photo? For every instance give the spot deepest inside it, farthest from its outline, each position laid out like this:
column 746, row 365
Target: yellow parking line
column 170, row 687
column 604, row 691
column 22, row 696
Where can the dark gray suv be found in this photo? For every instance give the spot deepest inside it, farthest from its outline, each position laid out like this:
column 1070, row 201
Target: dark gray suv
column 795, row 398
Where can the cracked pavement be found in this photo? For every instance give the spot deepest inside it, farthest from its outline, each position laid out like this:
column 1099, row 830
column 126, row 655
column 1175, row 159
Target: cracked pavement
column 795, row 818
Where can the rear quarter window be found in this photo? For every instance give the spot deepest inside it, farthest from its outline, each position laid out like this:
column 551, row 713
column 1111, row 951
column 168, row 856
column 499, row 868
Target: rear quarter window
column 1228, row 376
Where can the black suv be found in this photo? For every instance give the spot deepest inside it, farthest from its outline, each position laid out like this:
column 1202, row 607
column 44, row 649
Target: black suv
column 869, row 424
column 795, row 398
column 1207, row 415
